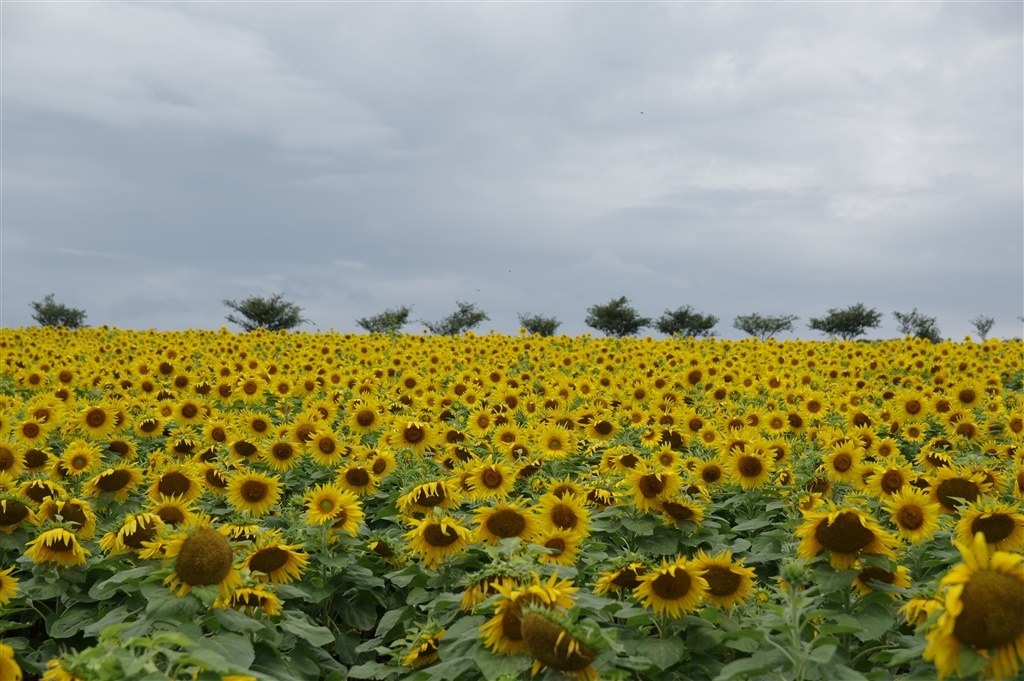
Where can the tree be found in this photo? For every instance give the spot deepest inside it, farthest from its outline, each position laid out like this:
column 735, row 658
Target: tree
column 539, row 325
column 616, row 318
column 918, row 325
column 982, row 324
column 463, row 319
column 684, row 321
column 847, row 323
column 47, row 312
column 273, row 313
column 764, row 326
column 388, row 321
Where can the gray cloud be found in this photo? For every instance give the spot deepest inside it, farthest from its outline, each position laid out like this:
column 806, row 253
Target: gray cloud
column 737, row 157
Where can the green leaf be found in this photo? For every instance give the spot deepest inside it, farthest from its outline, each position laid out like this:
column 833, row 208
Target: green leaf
column 390, row 619
column 234, row 620
column 742, row 668
column 233, row 647
column 121, row 581
column 70, row 623
column 641, row 527
column 663, row 653
column 752, row 524
column 468, row 623
column 822, row 653
column 359, row 611
column 115, row 616
column 971, row 663
column 495, row 666
column 874, row 621
column 312, row 634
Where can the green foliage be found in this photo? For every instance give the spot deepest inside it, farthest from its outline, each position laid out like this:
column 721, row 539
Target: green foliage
column 616, row 318
column 258, row 312
column 764, row 326
column 465, row 317
column 539, row 325
column 388, row 321
column 47, row 312
column 982, row 324
column 918, row 325
column 684, row 321
column 847, row 323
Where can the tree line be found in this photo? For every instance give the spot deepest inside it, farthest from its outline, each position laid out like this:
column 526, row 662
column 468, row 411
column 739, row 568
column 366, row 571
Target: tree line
column 617, row 318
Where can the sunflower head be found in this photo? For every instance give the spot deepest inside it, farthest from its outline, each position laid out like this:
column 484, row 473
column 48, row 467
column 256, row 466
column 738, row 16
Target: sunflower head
column 553, row 641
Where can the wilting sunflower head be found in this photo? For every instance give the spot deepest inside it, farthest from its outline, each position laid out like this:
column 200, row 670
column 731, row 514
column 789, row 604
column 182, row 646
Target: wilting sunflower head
column 555, row 642
column 435, row 538
column 868, row 576
column 983, row 607
column 496, row 523
column 8, row 586
column 1002, row 524
column 425, row 497
column 14, row 512
column 57, row 546
column 502, row 633
column 846, row 533
column 624, row 577
column 202, row 556
column 77, row 514
column 252, row 600
column 135, row 530
column 422, row 649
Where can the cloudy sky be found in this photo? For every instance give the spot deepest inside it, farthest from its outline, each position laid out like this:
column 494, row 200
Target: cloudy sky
column 781, row 158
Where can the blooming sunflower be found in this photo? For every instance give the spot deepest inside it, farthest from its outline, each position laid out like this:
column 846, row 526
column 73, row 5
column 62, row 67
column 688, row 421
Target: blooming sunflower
column 80, row 457
column 710, row 472
column 846, row 533
column 340, row 508
column 889, row 479
column 564, row 546
column 415, row 435
column 553, row 642
column 841, row 463
column 118, row 481
column 900, row 578
column 324, row 448
column 750, row 468
column 674, row 588
column 271, row 558
column 983, row 608
column 650, row 485
column 97, row 421
column 364, row 416
column 677, row 510
column 8, row 586
column 491, row 479
column 9, row 668
column 729, row 582
column 202, row 556
column 564, row 513
column 135, row 529
column 253, row 493
column 554, row 441
column 172, row 511
column 435, row 539
column 1002, row 524
column 955, row 486
column 357, row 477
column 503, row 633
column 495, row 523
column 280, row 453
column 57, row 546
column 176, row 480
column 251, row 600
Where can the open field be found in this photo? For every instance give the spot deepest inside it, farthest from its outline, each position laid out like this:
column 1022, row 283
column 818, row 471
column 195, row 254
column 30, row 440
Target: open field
column 208, row 505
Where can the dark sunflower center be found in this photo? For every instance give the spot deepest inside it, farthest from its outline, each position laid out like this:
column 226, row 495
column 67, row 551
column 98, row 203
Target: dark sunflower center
column 12, row 512
column 365, row 418
column 711, row 474
column 205, row 558
column 269, row 559
column 876, row 573
column 30, row 430
column 512, row 618
column 557, row 544
column 174, row 484
column 144, row 531
column 505, row 523
column 114, row 481
column 282, row 451
column 955, row 491
column 603, row 428
column 845, row 535
column 189, row 410
column 34, row 458
column 62, row 544
column 628, row 461
column 749, row 466
column 549, row 643
column 677, row 511
column 438, row 536
column 254, row 491
column 326, row 446
column 842, row 462
column 431, row 499
column 7, row 459
column 379, row 466
column 413, row 434
column 892, row 482
column 492, row 478
column 651, row 485
column 73, row 513
column 172, row 515
column 996, row 527
column 993, row 610
column 910, row 517
column 671, row 586
column 95, row 418
column 722, row 581
column 245, row 449
column 215, row 479
column 562, row 516
column 628, row 578
column 357, row 477
column 912, row 407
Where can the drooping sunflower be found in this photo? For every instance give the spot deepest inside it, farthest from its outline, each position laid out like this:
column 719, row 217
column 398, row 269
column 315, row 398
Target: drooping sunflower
column 57, row 546
column 955, row 486
column 435, row 539
column 422, row 651
column 118, row 481
column 673, row 589
column 503, row 633
column 1002, row 524
column 505, row 520
column 846, row 533
column 679, row 510
column 202, row 556
column 553, row 642
column 253, row 493
column 623, row 577
column 862, row 582
column 14, row 512
column 78, row 513
column 176, row 480
column 135, row 529
column 8, row 586
column 479, row 587
column 729, row 581
column 983, row 608
column 425, row 497
column 257, row 598
column 271, row 558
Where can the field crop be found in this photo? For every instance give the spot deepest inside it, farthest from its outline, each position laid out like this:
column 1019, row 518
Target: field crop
column 288, row 506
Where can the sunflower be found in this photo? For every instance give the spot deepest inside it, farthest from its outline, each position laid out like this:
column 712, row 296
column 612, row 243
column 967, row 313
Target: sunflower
column 173, row 511
column 564, row 513
column 889, row 479
column 270, row 558
column 503, row 633
column 323, row 447
column 674, row 588
column 624, row 577
column 491, row 479
column 983, row 608
column 425, row 497
column 58, row 546
column 841, row 464
column 253, row 493
column 564, row 546
column 9, row 668
column 77, row 513
column 677, row 510
column 252, row 599
column 255, row 425
column 710, row 472
column 80, row 457
column 435, row 539
column 330, row 503
column 554, row 441
column 554, row 642
column 135, row 529
column 650, row 485
column 954, row 486
column 846, row 533
column 32, row 431
column 495, row 523
column 380, row 463
column 481, row 587
column 202, row 556
column 97, row 421
column 423, row 649
column 8, row 586
column 1002, row 524
column 364, row 416
column 415, row 435
column 899, row 578
column 13, row 513
column 749, row 468
column 118, row 481
column 729, row 582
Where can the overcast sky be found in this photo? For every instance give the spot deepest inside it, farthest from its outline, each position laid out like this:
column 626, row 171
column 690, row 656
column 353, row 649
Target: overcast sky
column 781, row 158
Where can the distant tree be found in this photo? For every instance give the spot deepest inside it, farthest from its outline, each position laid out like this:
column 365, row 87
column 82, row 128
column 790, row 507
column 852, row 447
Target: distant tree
column 982, row 324
column 273, row 313
column 388, row 321
column 918, row 325
column 466, row 317
column 616, row 318
column 684, row 321
column 48, row 312
column 847, row 323
column 764, row 326
column 539, row 325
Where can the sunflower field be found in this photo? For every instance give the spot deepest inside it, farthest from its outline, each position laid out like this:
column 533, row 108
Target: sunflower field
column 202, row 505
